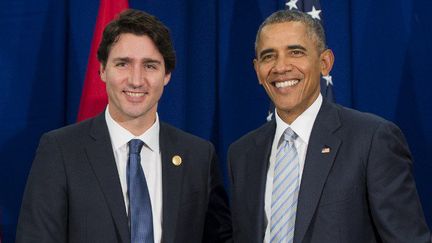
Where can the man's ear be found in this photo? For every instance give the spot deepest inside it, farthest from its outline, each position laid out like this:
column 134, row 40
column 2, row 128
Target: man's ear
column 102, row 73
column 326, row 62
column 255, row 64
column 167, row 78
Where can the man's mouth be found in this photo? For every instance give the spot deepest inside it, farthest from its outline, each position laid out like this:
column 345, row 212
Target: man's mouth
column 134, row 94
column 286, row 83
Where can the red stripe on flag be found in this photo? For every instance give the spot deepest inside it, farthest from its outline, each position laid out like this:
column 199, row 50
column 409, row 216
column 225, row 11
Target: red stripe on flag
column 94, row 97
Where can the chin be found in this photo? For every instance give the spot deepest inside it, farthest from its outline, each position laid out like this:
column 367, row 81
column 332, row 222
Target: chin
column 136, row 114
column 285, row 106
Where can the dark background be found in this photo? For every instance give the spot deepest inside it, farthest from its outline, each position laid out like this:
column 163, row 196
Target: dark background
column 383, row 60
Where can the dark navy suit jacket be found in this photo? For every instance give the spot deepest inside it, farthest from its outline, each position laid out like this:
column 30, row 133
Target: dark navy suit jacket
column 73, row 193
column 361, row 191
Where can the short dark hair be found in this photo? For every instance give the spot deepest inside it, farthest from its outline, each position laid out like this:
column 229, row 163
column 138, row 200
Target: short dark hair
column 138, row 23
column 314, row 27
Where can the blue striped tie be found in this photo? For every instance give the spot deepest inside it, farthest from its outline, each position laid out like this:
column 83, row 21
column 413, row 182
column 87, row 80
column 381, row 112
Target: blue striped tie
column 140, row 210
column 285, row 190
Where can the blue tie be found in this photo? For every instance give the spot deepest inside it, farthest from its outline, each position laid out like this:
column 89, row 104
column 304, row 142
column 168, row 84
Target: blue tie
column 140, row 210
column 285, row 190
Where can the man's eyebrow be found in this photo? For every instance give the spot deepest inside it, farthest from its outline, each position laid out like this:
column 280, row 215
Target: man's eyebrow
column 290, row 47
column 265, row 51
column 294, row 47
column 128, row 59
column 151, row 60
column 121, row 59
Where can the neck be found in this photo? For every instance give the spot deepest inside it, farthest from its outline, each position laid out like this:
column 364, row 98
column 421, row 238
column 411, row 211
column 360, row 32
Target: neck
column 287, row 116
column 139, row 125
column 136, row 125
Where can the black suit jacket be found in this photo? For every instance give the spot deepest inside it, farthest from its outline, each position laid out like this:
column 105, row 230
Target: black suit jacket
column 73, row 192
column 362, row 191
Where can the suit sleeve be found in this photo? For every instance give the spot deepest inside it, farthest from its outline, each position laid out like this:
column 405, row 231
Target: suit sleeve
column 218, row 218
column 393, row 198
column 43, row 215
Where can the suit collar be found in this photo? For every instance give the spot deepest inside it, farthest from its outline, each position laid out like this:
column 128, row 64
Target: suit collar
column 317, row 165
column 302, row 125
column 100, row 155
column 256, row 171
column 103, row 164
column 172, row 177
column 120, row 136
column 265, row 134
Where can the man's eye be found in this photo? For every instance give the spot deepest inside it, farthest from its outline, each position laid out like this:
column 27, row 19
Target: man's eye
column 267, row 57
column 120, row 64
column 297, row 53
column 150, row 66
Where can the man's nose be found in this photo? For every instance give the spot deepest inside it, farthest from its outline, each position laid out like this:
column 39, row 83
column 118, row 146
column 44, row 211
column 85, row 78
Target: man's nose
column 136, row 76
column 282, row 65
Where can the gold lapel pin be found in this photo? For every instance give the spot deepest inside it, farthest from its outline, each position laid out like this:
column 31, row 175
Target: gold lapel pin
column 325, row 150
column 176, row 160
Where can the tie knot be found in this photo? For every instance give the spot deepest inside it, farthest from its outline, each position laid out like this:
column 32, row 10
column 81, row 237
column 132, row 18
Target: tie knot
column 135, row 146
column 289, row 135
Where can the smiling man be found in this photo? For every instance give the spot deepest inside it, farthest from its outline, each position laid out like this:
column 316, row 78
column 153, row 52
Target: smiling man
column 319, row 172
column 125, row 176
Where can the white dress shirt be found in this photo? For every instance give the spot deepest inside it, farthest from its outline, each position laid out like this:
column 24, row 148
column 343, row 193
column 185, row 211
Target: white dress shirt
column 302, row 126
column 150, row 162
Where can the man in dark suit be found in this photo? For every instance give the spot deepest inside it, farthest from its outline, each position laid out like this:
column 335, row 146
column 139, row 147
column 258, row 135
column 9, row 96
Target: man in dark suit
column 82, row 187
column 318, row 172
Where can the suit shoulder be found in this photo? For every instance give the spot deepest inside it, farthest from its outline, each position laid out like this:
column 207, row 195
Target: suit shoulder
column 363, row 125
column 72, row 130
column 180, row 135
column 264, row 130
column 361, row 119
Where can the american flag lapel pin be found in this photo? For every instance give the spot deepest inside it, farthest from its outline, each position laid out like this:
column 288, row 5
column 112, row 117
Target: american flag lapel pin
column 325, row 150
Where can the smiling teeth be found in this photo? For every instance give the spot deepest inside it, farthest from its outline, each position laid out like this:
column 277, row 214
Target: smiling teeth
column 288, row 83
column 134, row 94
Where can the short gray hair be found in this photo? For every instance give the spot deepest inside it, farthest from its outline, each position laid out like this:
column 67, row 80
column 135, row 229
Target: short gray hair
column 314, row 27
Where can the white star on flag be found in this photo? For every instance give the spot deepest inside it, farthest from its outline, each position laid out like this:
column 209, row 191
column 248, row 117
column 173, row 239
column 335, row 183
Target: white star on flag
column 292, row 4
column 270, row 115
column 328, row 79
column 315, row 13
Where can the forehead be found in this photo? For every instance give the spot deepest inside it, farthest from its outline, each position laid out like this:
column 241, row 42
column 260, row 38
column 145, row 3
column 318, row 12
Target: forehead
column 292, row 32
column 134, row 46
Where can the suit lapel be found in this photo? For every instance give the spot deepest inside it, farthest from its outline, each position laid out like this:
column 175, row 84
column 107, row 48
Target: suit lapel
column 257, row 161
column 317, row 166
column 172, row 177
column 101, row 157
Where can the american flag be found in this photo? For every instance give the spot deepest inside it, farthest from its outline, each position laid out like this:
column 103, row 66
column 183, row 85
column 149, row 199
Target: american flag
column 313, row 8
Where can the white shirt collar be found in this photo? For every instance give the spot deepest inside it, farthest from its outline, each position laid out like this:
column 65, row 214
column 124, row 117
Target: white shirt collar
column 303, row 124
column 120, row 136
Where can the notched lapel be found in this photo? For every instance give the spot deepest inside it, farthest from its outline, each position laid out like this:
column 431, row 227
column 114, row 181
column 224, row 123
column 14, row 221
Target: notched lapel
column 172, row 180
column 257, row 161
column 321, row 153
column 102, row 161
